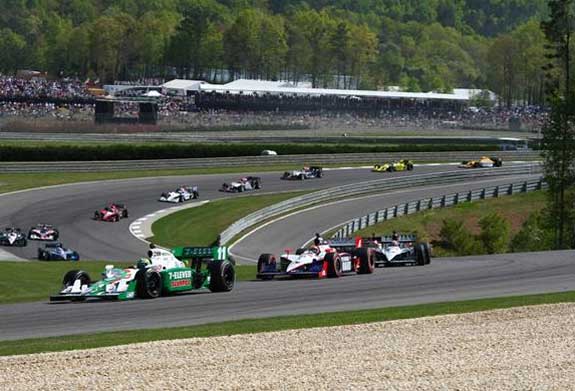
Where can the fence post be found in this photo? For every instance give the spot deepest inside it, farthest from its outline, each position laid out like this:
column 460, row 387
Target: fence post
column 510, row 189
column 418, row 208
column 431, row 203
column 524, row 187
column 406, row 208
column 456, row 199
column 470, row 196
column 352, row 226
column 496, row 192
column 540, row 184
column 443, row 202
column 377, row 217
column 395, row 211
column 483, row 193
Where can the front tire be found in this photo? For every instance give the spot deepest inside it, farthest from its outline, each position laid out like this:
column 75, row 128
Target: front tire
column 73, row 275
column 222, row 276
column 420, row 254
column 334, row 267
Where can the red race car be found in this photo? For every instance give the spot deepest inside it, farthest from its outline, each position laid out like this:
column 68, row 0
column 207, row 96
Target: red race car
column 112, row 212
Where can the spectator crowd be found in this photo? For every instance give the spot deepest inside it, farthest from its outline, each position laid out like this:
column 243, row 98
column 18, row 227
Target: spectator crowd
column 70, row 99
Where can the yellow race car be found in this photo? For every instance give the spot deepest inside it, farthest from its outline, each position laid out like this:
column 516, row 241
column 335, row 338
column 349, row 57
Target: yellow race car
column 400, row 165
column 484, row 162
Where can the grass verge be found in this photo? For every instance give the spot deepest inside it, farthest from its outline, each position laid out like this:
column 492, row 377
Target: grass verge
column 202, row 225
column 55, row 344
column 21, row 181
column 427, row 224
column 45, row 278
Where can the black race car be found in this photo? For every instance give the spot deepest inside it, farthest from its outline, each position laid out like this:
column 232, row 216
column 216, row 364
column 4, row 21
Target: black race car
column 305, row 173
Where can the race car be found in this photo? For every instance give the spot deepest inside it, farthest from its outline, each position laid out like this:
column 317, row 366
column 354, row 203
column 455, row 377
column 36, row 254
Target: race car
column 304, row 173
column 112, row 212
column 43, row 232
column 13, row 237
column 184, row 193
column 317, row 261
column 162, row 273
column 56, row 252
column 484, row 162
column 244, row 184
column 404, row 250
column 400, row 165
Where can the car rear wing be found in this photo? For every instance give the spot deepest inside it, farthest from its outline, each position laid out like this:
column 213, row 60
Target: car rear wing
column 207, row 253
column 409, row 238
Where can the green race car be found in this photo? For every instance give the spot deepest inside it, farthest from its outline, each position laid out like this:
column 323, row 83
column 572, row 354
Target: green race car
column 401, row 165
column 162, row 273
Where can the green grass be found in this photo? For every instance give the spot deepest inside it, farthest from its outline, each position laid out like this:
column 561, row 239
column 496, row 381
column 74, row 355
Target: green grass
column 43, row 279
column 202, row 225
column 14, row 182
column 87, row 341
column 427, row 224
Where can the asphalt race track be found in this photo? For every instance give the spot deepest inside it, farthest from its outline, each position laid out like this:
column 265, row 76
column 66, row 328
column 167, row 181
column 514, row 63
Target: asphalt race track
column 443, row 280
column 70, row 208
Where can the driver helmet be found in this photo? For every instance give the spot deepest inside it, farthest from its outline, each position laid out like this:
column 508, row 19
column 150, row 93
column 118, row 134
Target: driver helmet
column 143, row 263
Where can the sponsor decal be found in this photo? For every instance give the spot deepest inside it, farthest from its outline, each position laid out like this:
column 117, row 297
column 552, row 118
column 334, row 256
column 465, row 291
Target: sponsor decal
column 180, row 283
column 178, row 275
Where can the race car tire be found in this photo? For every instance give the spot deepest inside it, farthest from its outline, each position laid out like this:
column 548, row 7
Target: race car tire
column 299, row 251
column 410, row 167
column 116, row 218
column 148, row 284
column 265, row 260
column 366, row 260
column 23, row 242
column 73, row 275
column 240, row 189
column 427, row 252
column 40, row 254
column 125, row 214
column 56, row 235
column 301, row 177
column 97, row 215
column 420, row 254
column 222, row 276
column 333, row 265
column 391, row 169
column 257, row 185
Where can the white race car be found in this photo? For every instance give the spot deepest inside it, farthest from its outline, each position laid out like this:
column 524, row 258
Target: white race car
column 247, row 183
column 182, row 194
column 305, row 173
column 317, row 261
column 403, row 250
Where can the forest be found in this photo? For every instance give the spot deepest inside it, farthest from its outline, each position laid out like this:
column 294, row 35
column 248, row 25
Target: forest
column 431, row 45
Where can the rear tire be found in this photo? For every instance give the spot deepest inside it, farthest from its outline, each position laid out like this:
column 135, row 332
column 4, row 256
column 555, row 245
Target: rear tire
column 333, row 265
column 427, row 253
column 222, row 276
column 265, row 260
column 299, row 251
column 366, row 261
column 148, row 284
column 420, row 254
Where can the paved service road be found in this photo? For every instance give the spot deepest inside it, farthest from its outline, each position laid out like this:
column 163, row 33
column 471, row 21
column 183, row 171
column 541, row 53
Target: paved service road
column 443, row 280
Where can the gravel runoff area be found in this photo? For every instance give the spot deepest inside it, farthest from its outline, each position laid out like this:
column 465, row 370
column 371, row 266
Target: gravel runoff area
column 526, row 348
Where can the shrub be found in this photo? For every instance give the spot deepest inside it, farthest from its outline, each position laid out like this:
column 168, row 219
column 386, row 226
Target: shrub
column 456, row 237
column 534, row 235
column 495, row 231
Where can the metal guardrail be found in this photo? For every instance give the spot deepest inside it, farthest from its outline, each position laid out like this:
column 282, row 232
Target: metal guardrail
column 375, row 186
column 359, row 223
column 257, row 161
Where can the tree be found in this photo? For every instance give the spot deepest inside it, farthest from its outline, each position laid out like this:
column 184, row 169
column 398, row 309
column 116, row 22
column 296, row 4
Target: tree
column 559, row 134
column 494, row 233
column 12, row 47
